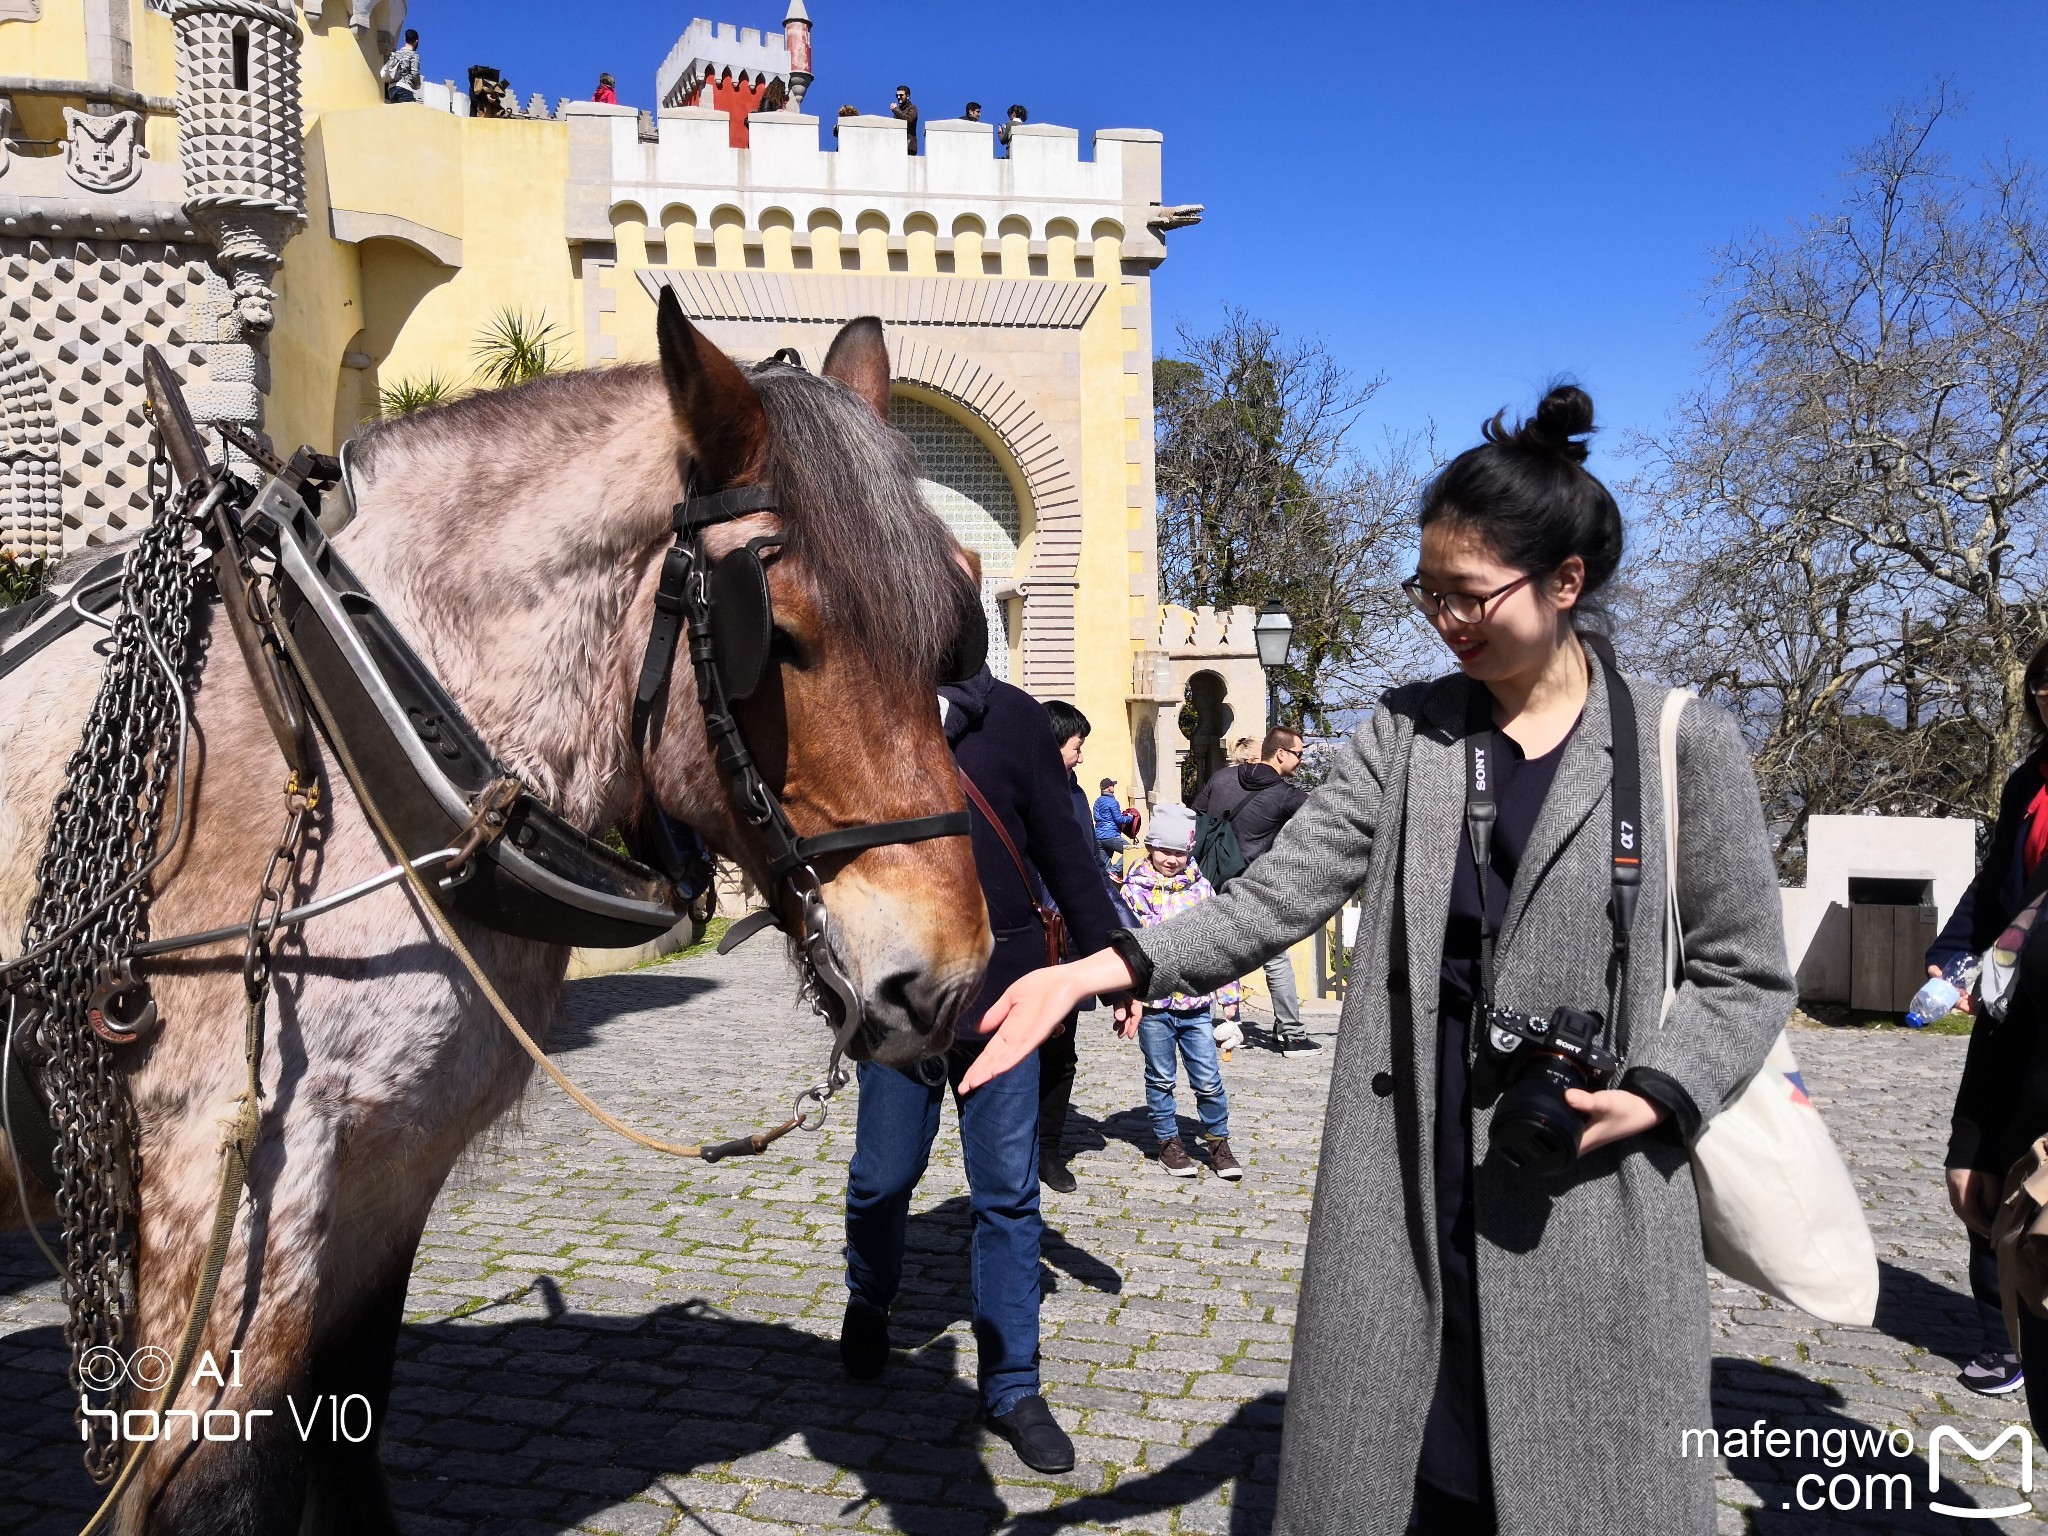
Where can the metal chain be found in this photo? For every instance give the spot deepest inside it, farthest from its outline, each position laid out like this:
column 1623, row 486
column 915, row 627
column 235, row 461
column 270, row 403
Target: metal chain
column 104, row 826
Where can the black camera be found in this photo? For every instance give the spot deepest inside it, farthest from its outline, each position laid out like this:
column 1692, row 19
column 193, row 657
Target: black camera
column 1531, row 1062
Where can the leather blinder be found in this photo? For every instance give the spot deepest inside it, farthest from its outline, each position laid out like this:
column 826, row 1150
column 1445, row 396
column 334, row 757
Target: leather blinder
column 742, row 622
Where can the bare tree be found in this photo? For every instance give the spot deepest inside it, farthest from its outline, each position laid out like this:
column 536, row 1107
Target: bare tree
column 1849, row 510
column 1262, row 498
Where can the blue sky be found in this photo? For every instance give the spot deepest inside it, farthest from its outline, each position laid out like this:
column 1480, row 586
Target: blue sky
column 1465, row 197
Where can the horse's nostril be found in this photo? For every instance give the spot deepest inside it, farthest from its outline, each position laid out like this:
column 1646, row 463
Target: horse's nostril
column 927, row 1000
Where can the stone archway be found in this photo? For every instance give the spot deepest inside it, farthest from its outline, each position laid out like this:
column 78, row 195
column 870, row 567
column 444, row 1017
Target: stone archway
column 31, row 479
column 1050, row 582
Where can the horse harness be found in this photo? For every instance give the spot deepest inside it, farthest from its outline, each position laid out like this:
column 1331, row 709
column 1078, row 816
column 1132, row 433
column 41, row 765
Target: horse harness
column 725, row 608
column 311, row 634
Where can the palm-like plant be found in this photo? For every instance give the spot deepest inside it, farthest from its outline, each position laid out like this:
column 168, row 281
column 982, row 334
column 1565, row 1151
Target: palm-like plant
column 22, row 577
column 514, row 349
column 409, row 395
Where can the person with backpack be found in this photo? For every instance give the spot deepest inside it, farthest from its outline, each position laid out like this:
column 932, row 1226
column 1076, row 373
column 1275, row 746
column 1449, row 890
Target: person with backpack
column 1986, row 1134
column 1505, row 1321
column 1246, row 807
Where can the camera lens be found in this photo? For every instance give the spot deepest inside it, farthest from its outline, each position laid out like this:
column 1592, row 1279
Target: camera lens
column 1533, row 1128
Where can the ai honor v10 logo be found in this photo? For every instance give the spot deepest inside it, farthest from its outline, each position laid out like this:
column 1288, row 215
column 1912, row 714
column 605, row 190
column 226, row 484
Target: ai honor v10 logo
column 147, row 1371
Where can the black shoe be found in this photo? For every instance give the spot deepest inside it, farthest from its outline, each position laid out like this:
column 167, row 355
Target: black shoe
column 1294, row 1040
column 1055, row 1176
column 1036, row 1437
column 864, row 1342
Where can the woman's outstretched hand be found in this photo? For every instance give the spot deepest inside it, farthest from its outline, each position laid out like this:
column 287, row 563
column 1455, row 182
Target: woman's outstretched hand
column 1612, row 1114
column 1028, row 1015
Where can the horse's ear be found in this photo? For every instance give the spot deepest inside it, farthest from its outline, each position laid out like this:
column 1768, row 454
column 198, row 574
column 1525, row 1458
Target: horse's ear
column 717, row 405
column 859, row 359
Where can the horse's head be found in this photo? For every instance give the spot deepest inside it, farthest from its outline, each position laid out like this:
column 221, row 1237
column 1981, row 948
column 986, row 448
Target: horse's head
column 867, row 600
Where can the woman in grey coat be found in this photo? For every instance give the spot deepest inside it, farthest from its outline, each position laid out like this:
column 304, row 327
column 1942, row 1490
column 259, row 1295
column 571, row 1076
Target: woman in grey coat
column 1479, row 1346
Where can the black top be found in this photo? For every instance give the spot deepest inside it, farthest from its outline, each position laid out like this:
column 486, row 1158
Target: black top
column 1002, row 738
column 2002, row 1100
column 1259, row 822
column 1453, row 1442
column 1994, row 896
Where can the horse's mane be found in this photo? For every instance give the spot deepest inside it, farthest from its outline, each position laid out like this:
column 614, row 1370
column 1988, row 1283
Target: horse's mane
column 879, row 561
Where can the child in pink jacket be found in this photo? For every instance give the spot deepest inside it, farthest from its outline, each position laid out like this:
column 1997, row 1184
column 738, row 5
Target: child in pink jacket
column 1179, row 1028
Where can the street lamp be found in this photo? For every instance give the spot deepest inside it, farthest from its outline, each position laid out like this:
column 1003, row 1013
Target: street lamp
column 1272, row 633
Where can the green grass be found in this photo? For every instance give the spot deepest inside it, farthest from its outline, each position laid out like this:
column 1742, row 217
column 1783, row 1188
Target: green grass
column 1835, row 1016
column 713, row 932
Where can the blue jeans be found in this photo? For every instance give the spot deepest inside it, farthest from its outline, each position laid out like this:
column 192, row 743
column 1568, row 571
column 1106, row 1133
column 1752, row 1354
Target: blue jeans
column 899, row 1118
column 1162, row 1033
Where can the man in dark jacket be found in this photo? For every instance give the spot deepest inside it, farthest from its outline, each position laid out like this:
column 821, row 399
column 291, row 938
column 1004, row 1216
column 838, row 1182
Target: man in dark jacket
column 1258, row 801
column 1003, row 742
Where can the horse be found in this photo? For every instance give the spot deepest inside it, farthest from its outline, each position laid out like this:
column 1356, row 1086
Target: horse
column 515, row 538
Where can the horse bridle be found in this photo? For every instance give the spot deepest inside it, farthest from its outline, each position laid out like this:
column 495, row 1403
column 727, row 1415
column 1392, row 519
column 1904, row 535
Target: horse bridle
column 725, row 608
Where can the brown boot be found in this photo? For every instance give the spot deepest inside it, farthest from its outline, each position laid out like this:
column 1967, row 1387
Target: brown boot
column 1226, row 1166
column 1173, row 1157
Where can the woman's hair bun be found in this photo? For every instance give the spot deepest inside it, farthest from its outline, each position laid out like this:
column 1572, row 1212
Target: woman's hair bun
column 1563, row 418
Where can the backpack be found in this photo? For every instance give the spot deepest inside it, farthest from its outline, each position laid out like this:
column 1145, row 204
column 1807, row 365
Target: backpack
column 1218, row 853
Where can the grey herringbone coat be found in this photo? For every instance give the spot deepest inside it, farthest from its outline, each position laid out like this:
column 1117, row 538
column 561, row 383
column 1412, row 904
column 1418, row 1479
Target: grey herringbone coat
column 1592, row 1288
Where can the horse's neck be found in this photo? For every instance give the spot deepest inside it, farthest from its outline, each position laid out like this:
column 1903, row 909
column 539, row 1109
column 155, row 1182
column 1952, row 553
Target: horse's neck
column 523, row 605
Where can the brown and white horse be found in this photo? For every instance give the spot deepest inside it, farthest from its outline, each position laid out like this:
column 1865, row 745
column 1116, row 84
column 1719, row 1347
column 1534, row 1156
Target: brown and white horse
column 515, row 539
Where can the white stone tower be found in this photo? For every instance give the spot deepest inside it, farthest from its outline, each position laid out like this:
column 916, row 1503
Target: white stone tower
column 239, row 141
column 239, row 131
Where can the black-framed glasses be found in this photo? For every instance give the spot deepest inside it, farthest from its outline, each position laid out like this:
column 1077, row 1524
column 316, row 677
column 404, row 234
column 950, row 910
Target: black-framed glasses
column 1463, row 607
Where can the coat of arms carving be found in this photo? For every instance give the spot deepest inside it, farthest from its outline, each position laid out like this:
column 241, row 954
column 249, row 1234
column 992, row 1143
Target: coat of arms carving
column 103, row 154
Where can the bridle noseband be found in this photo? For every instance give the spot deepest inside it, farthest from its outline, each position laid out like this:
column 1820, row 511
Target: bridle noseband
column 725, row 609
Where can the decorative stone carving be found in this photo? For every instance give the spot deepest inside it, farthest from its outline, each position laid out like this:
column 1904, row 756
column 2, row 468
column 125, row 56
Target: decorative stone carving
column 103, row 154
column 20, row 10
column 239, row 139
column 31, row 498
column 6, row 128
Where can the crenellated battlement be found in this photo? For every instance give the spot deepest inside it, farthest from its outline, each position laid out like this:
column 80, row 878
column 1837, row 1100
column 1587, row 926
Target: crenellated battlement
column 1207, row 633
column 708, row 49
column 859, row 179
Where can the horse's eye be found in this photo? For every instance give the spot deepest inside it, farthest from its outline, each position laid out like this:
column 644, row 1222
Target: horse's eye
column 785, row 648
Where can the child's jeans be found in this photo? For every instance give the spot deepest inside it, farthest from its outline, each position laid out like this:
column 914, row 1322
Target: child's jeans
column 1162, row 1033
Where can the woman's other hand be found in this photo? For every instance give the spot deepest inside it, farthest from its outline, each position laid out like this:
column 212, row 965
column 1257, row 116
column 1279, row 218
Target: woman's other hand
column 1612, row 1114
column 1973, row 1196
column 1963, row 1002
column 1037, row 1003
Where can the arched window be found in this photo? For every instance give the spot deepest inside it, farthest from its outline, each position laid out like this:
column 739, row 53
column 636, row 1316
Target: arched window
column 241, row 43
column 966, row 486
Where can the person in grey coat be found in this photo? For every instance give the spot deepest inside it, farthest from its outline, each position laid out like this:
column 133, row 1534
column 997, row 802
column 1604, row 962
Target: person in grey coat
column 1480, row 1347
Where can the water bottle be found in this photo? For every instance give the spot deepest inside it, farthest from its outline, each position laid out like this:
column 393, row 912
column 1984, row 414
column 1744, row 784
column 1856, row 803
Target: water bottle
column 1934, row 1001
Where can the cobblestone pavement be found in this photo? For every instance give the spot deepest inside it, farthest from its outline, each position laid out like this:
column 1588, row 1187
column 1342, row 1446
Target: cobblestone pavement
column 599, row 1339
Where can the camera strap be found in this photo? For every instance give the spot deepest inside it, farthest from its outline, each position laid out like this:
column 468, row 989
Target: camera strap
column 1485, row 749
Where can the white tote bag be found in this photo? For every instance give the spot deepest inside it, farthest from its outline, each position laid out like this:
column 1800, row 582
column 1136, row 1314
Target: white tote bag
column 1778, row 1210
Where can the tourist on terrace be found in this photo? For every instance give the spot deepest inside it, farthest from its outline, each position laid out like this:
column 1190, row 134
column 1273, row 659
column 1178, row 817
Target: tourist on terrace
column 905, row 111
column 1017, row 115
column 1504, row 1318
column 972, row 112
column 607, row 91
column 401, row 72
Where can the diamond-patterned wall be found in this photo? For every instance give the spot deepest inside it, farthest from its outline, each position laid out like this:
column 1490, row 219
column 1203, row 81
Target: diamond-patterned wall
column 239, row 146
column 79, row 314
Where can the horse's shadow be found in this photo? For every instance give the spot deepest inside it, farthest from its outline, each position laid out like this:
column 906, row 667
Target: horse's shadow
column 591, row 1002
column 1747, row 1391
